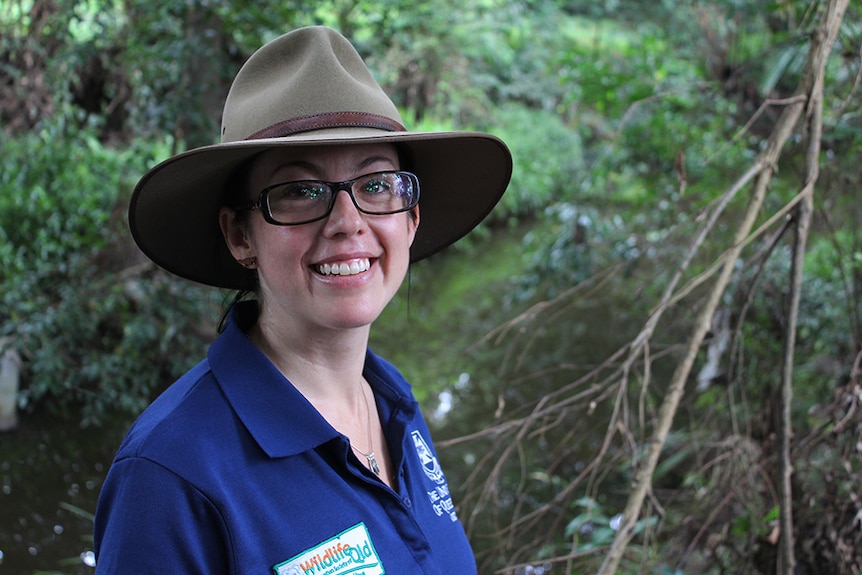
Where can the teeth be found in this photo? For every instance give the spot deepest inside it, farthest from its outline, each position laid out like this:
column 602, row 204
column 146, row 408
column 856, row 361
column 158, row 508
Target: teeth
column 344, row 268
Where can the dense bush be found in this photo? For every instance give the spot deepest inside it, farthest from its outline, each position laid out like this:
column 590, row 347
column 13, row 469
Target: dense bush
column 547, row 154
column 97, row 326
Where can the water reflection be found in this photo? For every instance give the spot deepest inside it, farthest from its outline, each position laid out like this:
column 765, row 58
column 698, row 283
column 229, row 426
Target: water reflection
column 51, row 472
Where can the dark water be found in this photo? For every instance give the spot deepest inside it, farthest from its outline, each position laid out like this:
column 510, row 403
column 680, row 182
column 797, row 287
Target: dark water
column 51, row 472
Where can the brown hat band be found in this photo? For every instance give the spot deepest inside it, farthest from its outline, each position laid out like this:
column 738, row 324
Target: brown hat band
column 328, row 120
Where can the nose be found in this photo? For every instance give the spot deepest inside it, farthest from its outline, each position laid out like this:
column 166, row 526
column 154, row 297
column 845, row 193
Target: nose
column 345, row 217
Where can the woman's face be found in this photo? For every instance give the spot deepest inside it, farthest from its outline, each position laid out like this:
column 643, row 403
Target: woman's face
column 297, row 286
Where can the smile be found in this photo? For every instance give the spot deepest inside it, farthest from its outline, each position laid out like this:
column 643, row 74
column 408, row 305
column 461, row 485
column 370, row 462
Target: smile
column 351, row 268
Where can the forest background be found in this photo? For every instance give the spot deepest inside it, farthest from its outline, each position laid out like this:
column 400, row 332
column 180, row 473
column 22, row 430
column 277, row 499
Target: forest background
column 648, row 358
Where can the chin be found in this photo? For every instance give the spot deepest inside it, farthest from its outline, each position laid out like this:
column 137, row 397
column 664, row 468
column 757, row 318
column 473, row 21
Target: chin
column 355, row 318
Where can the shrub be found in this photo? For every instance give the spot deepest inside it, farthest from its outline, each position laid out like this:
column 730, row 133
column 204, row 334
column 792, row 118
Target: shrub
column 98, row 327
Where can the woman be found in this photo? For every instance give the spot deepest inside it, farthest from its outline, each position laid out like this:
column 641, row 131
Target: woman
column 292, row 448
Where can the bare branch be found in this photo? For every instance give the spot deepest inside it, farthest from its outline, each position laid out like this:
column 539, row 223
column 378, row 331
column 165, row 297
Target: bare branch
column 809, row 86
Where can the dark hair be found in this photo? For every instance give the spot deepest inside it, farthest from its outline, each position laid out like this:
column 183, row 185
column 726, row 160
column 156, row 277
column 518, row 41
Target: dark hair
column 406, row 162
column 237, row 186
column 239, row 296
column 235, row 192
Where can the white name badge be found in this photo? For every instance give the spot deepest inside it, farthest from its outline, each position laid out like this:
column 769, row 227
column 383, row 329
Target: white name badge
column 348, row 553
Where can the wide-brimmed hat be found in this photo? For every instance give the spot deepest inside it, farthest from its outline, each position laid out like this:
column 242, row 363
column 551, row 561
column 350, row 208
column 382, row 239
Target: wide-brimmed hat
column 307, row 87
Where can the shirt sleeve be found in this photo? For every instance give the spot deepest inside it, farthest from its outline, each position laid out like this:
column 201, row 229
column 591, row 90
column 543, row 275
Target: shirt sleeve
column 151, row 521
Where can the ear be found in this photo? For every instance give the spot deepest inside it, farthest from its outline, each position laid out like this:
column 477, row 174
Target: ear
column 235, row 234
column 412, row 223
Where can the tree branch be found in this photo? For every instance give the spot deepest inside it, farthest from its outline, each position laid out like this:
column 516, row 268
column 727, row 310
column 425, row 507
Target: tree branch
column 827, row 32
column 809, row 86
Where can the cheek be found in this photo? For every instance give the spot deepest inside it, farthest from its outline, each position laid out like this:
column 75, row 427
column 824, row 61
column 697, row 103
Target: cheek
column 276, row 243
column 402, row 234
column 401, row 240
column 412, row 226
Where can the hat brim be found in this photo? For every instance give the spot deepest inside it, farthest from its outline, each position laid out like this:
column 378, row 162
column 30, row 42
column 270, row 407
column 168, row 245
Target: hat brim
column 173, row 214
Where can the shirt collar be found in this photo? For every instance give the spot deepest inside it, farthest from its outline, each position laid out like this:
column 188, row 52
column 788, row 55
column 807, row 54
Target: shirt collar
column 263, row 399
column 269, row 406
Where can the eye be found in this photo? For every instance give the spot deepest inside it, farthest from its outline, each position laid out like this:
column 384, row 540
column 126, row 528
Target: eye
column 376, row 185
column 300, row 191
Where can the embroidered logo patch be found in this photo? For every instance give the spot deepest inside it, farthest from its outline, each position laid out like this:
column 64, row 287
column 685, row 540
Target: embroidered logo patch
column 348, row 552
column 441, row 500
column 429, row 462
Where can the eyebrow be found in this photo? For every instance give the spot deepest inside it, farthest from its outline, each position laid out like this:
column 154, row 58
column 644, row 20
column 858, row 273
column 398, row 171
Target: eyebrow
column 373, row 159
column 311, row 167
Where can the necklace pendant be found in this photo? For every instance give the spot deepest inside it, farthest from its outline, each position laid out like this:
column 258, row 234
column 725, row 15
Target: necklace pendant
column 372, row 464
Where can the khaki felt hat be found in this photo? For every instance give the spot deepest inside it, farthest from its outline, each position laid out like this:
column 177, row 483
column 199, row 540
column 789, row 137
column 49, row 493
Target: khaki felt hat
column 307, row 87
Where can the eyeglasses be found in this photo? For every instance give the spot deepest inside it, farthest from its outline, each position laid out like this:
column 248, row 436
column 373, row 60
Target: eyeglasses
column 304, row 201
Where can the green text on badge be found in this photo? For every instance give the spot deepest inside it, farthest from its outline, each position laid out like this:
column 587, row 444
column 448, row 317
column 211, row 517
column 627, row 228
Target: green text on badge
column 350, row 551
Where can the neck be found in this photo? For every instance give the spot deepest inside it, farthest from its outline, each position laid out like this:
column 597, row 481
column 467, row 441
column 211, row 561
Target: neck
column 325, row 367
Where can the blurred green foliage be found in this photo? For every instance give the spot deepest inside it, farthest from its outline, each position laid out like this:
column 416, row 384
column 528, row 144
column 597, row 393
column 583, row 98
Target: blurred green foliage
column 96, row 335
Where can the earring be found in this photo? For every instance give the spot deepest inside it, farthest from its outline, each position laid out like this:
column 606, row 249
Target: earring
column 248, row 263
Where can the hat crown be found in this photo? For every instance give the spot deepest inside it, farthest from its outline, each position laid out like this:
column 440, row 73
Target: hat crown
column 310, row 72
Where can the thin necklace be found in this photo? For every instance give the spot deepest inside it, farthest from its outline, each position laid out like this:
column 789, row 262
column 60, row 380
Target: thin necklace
column 372, row 462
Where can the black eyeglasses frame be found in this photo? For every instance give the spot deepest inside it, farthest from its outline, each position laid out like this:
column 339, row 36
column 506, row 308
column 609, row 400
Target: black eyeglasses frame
column 262, row 202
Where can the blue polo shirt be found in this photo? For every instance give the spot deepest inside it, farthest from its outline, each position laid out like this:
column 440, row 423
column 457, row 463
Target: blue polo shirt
column 232, row 470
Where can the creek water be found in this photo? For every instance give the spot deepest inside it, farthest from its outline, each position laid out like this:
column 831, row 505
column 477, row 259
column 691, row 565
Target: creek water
column 51, row 471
